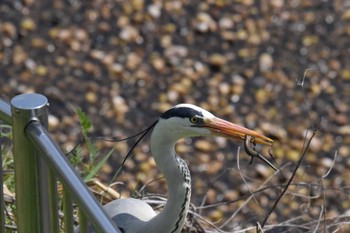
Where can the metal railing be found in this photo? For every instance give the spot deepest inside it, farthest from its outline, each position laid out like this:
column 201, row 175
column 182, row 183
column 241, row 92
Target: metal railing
column 38, row 165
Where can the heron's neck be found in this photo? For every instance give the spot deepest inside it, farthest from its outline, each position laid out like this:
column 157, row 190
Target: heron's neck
column 177, row 176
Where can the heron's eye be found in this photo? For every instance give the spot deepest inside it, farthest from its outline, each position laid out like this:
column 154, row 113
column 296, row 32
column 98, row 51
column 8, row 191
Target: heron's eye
column 194, row 119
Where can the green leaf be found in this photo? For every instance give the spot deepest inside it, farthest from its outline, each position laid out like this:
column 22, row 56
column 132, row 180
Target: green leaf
column 94, row 171
column 84, row 121
column 75, row 157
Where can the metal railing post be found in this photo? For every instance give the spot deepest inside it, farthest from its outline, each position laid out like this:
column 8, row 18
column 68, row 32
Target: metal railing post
column 36, row 195
column 77, row 188
column 68, row 217
column 38, row 162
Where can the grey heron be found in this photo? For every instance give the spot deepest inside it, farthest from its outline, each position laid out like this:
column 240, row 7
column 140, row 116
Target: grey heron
column 183, row 120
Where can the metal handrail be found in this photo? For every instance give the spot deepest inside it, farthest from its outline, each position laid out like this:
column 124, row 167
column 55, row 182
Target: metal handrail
column 5, row 113
column 38, row 164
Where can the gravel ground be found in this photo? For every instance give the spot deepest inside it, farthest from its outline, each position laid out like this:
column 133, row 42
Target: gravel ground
column 125, row 62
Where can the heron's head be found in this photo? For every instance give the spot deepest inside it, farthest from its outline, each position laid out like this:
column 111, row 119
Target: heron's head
column 186, row 120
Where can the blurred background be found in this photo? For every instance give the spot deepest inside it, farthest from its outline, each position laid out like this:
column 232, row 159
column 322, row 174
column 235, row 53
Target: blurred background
column 250, row 62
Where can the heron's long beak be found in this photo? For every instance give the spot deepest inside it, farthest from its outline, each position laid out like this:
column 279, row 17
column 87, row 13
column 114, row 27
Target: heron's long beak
column 227, row 129
column 224, row 128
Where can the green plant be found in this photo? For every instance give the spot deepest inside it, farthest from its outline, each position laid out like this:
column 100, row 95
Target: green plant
column 90, row 168
column 8, row 187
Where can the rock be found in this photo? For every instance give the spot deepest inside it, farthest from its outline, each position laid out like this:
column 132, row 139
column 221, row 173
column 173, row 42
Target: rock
column 41, row 70
column 217, row 60
column 8, row 29
column 53, row 122
column 265, row 62
column 205, row 23
column 261, row 96
column 120, row 108
column 91, row 97
column 28, row 24
column 344, row 130
column 345, row 74
column 226, row 23
column 129, row 34
column 293, row 155
column 154, row 10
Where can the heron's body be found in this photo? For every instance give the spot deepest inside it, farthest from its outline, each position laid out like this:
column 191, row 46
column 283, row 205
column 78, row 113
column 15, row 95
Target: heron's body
column 136, row 216
column 133, row 215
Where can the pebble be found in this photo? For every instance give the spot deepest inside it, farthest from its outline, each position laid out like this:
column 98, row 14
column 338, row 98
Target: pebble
column 91, row 97
column 8, row 29
column 344, row 130
column 344, row 150
column 226, row 23
column 20, row 56
column 293, row 155
column 261, row 96
column 345, row 74
column 204, row 23
column 133, row 60
column 53, row 122
column 277, row 3
column 216, row 215
column 120, row 108
column 154, row 10
column 129, row 34
column 276, row 130
column 176, row 51
column 265, row 62
column 309, row 40
column 116, row 69
column 41, row 70
column 346, row 14
column 28, row 24
column 158, row 63
column 217, row 60
column 39, row 43
column 213, row 167
column 231, row 195
column 224, row 88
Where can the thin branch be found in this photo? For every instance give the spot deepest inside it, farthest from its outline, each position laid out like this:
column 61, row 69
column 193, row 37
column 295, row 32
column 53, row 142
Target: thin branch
column 301, row 83
column 305, row 148
column 242, row 176
column 319, row 220
column 332, row 165
column 250, row 197
column 324, row 192
column 289, row 181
